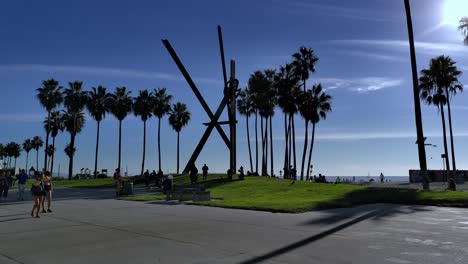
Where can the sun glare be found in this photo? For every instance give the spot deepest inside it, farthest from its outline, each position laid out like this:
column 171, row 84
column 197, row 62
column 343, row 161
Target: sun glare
column 454, row 10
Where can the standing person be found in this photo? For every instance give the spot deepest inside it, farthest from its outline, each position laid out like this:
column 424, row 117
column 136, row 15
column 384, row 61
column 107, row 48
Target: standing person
column 152, row 176
column 193, row 174
column 241, row 173
column 117, row 181
column 381, row 178
column 205, row 172
column 22, row 178
column 3, row 186
column 37, row 190
column 147, row 177
column 47, row 180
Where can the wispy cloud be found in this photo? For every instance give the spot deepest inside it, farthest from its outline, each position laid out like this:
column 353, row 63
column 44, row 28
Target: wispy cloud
column 100, row 71
column 427, row 47
column 22, row 117
column 373, row 55
column 361, row 13
column 360, row 85
column 352, row 136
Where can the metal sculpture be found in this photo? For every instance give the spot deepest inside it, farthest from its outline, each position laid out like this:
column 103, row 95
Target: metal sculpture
column 231, row 91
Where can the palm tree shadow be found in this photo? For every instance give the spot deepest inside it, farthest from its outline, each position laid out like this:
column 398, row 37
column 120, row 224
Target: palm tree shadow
column 344, row 217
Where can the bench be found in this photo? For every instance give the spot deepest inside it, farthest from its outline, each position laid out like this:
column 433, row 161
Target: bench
column 188, row 193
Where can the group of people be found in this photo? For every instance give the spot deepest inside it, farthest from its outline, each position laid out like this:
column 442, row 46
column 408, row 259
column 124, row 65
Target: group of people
column 41, row 190
column 7, row 181
column 157, row 177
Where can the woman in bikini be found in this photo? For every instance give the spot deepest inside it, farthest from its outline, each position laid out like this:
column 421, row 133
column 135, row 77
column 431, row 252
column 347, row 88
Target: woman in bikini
column 47, row 180
column 37, row 190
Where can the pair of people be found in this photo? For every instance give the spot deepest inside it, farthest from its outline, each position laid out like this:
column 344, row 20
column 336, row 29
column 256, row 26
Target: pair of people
column 41, row 189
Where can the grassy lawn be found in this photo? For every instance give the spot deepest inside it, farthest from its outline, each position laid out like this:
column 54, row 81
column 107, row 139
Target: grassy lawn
column 262, row 193
column 144, row 198
column 91, row 183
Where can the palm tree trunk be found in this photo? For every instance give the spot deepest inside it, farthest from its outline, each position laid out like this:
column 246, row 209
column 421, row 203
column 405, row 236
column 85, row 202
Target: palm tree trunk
column 248, row 142
column 294, row 142
column 144, row 148
column 97, row 150
column 256, row 142
column 266, row 146
column 159, row 143
column 27, row 159
column 285, row 142
column 120, row 143
column 290, row 145
column 417, row 103
column 306, row 139
column 37, row 159
column 72, row 148
column 15, row 162
column 52, row 158
column 310, row 150
column 178, row 140
column 452, row 147
column 447, row 162
column 46, row 141
column 272, row 168
column 263, row 146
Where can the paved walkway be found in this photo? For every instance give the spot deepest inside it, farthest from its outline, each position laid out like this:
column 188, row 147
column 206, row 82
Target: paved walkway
column 87, row 227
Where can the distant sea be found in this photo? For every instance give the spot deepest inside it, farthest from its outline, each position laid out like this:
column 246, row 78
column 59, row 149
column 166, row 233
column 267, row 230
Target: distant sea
column 368, row 178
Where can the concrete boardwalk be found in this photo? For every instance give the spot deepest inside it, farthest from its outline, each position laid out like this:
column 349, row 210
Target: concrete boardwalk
column 88, row 227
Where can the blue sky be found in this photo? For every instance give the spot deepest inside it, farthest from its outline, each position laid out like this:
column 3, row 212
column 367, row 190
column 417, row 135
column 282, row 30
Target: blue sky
column 364, row 64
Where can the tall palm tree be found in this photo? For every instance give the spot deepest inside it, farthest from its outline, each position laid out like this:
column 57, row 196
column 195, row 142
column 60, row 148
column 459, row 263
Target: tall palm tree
column 245, row 108
column 74, row 100
column 287, row 86
column 179, row 116
column 37, row 144
column 120, row 106
column 162, row 106
column 437, row 84
column 27, row 146
column 316, row 103
column 143, row 107
column 417, row 104
column 463, row 27
column 50, row 97
column 98, row 105
column 272, row 95
column 304, row 62
column 56, row 125
column 13, row 150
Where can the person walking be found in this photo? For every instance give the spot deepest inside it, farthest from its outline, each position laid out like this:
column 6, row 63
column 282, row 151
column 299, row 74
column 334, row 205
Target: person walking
column 37, row 190
column 22, row 178
column 241, row 173
column 205, row 172
column 147, row 177
column 47, row 180
column 117, row 181
column 382, row 177
column 3, row 186
column 193, row 174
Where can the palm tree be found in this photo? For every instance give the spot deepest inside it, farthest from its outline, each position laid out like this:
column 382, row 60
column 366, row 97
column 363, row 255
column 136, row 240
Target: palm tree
column 74, row 101
column 179, row 116
column 314, row 105
column 162, row 106
column 56, row 126
column 98, row 106
column 417, row 105
column 437, row 84
column 143, row 107
column 27, row 146
column 287, row 86
column 271, row 94
column 120, row 106
column 304, row 62
column 13, row 150
column 464, row 28
column 49, row 96
column 37, row 144
column 245, row 108
column 69, row 151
